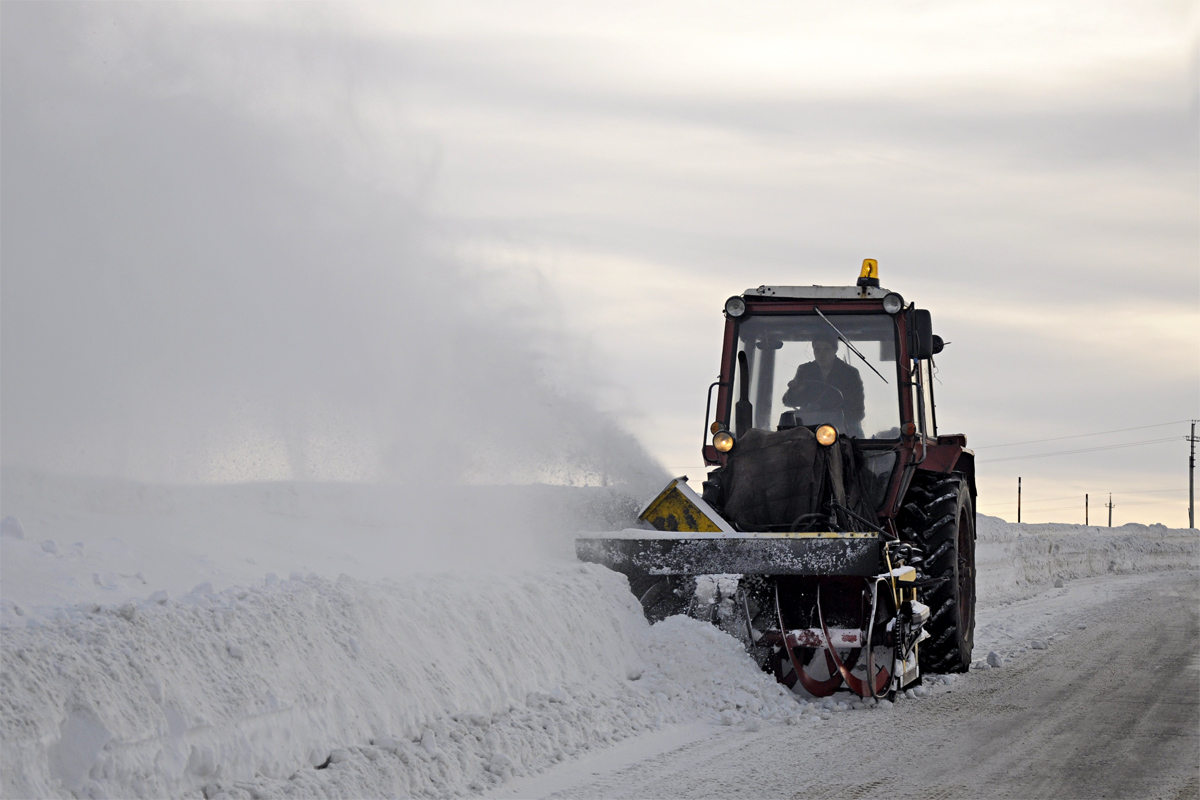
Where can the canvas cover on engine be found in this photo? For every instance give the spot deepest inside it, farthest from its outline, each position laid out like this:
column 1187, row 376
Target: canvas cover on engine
column 774, row 478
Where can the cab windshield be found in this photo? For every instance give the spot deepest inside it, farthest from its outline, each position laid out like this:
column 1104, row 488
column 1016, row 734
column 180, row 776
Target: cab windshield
column 801, row 373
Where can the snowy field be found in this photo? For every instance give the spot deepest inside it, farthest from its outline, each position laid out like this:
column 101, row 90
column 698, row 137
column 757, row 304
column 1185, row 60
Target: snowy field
column 304, row 640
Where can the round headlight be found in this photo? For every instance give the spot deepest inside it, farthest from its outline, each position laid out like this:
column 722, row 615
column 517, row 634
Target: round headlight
column 723, row 441
column 735, row 306
column 826, row 435
column 892, row 303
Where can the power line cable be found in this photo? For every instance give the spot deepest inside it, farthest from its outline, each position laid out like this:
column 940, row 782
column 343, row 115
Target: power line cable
column 1024, row 504
column 1082, row 435
column 1037, row 500
column 1134, row 503
column 1069, row 496
column 1058, row 508
column 1081, row 450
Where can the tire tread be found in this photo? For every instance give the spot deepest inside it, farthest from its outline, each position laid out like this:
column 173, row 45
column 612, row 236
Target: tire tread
column 929, row 518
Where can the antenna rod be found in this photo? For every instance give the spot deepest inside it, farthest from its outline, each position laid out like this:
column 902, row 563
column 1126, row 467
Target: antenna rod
column 1018, row 501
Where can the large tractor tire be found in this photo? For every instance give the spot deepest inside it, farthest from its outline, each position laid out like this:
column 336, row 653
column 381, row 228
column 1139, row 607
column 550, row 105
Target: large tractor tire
column 939, row 517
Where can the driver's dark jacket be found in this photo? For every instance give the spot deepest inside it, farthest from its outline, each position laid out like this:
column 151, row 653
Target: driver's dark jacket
column 842, row 377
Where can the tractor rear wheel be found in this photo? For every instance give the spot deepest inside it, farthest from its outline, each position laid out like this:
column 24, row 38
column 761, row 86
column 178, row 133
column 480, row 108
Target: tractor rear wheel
column 941, row 519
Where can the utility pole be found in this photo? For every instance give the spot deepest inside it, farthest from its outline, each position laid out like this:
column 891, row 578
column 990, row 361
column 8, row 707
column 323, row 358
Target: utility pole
column 1018, row 501
column 1192, row 477
column 1110, row 508
column 1085, row 510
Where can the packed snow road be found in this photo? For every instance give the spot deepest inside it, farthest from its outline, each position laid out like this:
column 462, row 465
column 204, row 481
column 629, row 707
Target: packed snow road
column 1108, row 709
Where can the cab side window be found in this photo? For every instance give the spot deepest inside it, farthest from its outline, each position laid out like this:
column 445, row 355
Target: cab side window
column 930, row 420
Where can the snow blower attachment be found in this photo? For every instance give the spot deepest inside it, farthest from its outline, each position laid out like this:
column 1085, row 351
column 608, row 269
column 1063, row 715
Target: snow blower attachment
column 835, row 535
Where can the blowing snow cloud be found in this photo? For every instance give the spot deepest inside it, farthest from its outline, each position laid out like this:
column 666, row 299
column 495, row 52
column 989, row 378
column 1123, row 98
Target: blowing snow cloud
column 213, row 270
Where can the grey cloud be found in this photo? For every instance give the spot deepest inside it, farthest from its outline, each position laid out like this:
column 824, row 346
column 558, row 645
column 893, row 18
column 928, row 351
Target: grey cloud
column 1148, row 122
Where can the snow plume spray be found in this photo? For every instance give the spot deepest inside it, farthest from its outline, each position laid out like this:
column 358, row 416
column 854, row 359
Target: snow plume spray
column 216, row 276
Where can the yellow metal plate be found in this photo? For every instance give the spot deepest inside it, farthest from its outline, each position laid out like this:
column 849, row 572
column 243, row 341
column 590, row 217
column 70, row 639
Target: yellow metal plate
column 673, row 511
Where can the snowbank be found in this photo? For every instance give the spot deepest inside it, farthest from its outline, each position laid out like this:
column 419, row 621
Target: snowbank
column 1014, row 560
column 440, row 685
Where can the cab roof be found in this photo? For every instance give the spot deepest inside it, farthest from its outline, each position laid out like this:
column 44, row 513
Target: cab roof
column 819, row 292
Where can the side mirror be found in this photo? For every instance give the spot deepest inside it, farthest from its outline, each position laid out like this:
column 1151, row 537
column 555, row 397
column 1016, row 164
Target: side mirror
column 920, row 334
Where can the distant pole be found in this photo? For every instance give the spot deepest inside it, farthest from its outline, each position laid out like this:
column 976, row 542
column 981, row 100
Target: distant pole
column 1018, row 500
column 1192, row 477
column 1110, row 508
column 1085, row 510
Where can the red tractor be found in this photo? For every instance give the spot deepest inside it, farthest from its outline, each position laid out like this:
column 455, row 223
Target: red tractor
column 835, row 534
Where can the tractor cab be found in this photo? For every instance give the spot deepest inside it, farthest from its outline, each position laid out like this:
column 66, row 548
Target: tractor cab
column 848, row 521
column 854, row 362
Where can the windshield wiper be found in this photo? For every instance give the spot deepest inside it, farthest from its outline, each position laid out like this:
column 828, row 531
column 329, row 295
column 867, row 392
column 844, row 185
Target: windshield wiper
column 846, row 341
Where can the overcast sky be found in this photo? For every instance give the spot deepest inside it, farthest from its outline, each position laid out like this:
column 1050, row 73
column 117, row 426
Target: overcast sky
column 213, row 209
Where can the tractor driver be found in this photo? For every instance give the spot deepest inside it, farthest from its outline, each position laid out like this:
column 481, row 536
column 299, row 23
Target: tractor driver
column 828, row 384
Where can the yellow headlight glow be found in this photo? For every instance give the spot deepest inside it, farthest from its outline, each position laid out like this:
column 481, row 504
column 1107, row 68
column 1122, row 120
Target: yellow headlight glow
column 723, row 441
column 826, row 435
